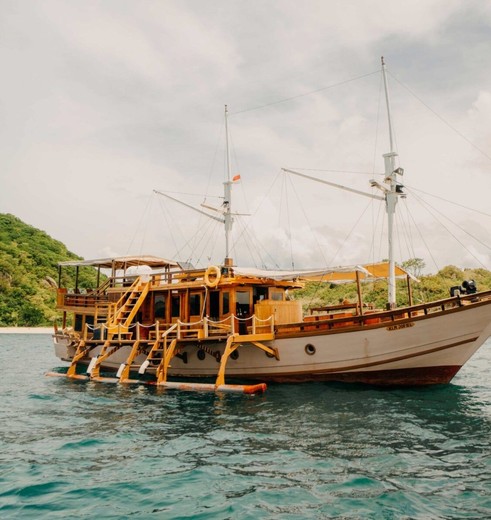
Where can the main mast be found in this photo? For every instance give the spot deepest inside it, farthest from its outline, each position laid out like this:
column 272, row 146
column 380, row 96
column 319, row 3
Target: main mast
column 227, row 199
column 391, row 194
column 227, row 217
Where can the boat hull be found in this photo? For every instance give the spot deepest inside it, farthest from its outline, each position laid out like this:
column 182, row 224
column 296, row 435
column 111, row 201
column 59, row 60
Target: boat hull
column 423, row 350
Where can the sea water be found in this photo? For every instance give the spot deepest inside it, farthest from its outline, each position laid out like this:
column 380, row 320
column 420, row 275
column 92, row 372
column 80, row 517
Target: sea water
column 71, row 449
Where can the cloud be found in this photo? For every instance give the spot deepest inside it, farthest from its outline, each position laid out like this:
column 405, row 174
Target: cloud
column 104, row 101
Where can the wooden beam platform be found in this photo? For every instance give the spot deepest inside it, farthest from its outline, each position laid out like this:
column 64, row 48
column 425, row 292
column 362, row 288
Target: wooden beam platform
column 259, row 388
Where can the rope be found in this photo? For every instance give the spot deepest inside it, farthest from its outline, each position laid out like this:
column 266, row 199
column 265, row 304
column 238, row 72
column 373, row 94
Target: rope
column 450, row 233
column 265, row 320
column 307, row 219
column 254, row 213
column 334, row 171
column 445, row 122
column 289, row 223
column 139, row 226
column 421, row 236
column 305, row 94
column 450, row 201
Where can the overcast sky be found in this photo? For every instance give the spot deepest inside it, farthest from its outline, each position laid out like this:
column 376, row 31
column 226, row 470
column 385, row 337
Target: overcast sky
column 103, row 101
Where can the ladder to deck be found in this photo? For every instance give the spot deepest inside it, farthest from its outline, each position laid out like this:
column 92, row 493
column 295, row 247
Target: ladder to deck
column 157, row 355
column 162, row 351
column 128, row 306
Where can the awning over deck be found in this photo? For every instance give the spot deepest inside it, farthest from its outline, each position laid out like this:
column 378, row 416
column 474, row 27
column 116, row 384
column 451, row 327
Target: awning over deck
column 123, row 262
column 336, row 275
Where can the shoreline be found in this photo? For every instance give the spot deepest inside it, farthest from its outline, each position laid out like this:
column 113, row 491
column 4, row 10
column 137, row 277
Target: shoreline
column 26, row 330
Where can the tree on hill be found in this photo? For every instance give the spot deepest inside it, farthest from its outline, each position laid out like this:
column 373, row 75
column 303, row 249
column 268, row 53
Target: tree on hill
column 28, row 270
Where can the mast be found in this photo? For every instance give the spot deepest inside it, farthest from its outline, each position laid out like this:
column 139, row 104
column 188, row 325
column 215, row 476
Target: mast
column 226, row 216
column 391, row 194
column 227, row 199
column 392, row 189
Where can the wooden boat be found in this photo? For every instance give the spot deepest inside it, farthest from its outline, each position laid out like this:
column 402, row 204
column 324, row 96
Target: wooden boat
column 224, row 322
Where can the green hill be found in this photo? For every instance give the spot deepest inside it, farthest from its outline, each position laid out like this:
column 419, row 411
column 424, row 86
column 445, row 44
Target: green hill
column 28, row 273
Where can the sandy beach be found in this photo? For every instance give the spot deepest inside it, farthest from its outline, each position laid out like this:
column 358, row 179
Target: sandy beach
column 26, row 330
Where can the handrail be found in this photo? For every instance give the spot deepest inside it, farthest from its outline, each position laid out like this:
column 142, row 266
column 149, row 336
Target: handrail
column 128, row 291
column 390, row 316
column 81, row 300
column 102, row 288
column 169, row 330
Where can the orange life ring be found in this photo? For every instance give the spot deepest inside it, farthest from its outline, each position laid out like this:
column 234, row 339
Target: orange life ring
column 212, row 276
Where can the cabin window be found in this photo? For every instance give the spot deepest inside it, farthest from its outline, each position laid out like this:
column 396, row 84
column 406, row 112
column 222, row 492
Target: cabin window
column 276, row 294
column 225, row 302
column 259, row 294
column 215, row 305
column 243, row 303
column 194, row 304
column 176, row 306
column 159, row 306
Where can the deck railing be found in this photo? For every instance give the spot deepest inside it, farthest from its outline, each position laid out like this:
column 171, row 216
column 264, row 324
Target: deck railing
column 323, row 322
column 205, row 328
column 208, row 328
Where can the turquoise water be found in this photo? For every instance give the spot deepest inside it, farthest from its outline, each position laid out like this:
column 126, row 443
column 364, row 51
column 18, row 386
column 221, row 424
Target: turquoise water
column 71, row 449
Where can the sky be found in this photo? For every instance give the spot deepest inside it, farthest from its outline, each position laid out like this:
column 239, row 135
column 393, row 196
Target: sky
column 103, row 102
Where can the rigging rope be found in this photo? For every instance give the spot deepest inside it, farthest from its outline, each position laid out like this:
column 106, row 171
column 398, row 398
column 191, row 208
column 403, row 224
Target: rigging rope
column 445, row 122
column 339, row 249
column 169, row 227
column 307, row 220
column 260, row 204
column 421, row 236
column 289, row 223
column 377, row 124
column 406, row 226
column 140, row 226
column 334, row 171
column 432, row 209
column 449, row 201
column 305, row 94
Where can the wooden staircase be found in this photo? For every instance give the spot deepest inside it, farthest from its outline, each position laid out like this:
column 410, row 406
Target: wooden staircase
column 158, row 356
column 127, row 307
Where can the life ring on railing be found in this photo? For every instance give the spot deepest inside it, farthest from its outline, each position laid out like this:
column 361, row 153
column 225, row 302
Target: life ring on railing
column 212, row 276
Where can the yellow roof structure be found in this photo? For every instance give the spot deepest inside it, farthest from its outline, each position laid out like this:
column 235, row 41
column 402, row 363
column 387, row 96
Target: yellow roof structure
column 336, row 275
column 368, row 272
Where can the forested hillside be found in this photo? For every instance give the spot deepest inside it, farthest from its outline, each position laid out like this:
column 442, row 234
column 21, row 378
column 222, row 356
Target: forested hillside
column 28, row 273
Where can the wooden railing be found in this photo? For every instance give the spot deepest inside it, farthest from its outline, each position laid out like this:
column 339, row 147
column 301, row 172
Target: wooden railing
column 386, row 317
column 203, row 329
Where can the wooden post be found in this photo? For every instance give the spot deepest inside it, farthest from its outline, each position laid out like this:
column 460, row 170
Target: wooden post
column 409, row 290
column 358, row 288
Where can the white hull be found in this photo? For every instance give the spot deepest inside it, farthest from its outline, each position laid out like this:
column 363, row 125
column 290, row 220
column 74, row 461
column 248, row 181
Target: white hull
column 422, row 350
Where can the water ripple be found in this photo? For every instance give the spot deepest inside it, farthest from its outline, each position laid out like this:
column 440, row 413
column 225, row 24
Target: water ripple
column 70, row 449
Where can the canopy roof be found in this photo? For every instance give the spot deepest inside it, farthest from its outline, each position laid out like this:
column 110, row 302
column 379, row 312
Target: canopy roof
column 336, row 275
column 123, row 262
